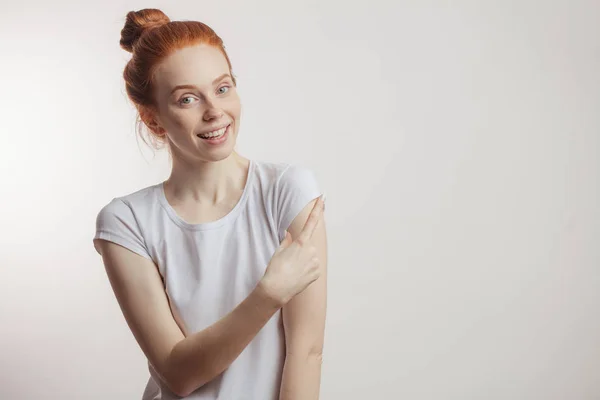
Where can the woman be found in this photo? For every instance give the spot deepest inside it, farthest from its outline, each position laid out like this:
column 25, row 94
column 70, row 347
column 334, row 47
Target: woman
column 222, row 300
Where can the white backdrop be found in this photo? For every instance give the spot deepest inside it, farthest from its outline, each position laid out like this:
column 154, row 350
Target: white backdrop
column 458, row 143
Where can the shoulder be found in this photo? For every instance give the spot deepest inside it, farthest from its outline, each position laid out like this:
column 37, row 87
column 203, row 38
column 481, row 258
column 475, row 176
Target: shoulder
column 269, row 171
column 118, row 220
column 291, row 186
column 294, row 174
column 283, row 174
column 129, row 203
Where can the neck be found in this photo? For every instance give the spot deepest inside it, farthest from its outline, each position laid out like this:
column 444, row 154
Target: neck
column 208, row 182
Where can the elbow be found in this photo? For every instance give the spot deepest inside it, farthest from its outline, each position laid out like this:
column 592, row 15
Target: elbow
column 183, row 392
column 316, row 354
column 315, row 350
column 183, row 386
column 176, row 380
column 312, row 353
column 178, row 386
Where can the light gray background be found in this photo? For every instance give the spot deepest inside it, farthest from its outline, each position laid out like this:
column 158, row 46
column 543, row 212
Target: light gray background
column 458, row 144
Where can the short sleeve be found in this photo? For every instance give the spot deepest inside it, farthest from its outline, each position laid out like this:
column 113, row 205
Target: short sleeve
column 296, row 187
column 116, row 223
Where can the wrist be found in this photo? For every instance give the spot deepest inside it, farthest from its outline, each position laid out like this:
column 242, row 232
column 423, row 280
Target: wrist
column 267, row 296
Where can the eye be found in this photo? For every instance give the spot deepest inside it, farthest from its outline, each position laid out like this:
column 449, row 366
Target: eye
column 182, row 100
column 220, row 90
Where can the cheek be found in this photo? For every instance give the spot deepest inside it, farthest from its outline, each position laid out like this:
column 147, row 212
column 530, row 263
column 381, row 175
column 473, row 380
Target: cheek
column 183, row 119
column 234, row 106
column 237, row 112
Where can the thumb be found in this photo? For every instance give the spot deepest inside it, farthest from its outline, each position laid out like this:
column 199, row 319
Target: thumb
column 287, row 240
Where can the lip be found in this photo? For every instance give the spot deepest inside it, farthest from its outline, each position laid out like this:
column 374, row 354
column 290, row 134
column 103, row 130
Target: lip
column 220, row 141
column 214, row 129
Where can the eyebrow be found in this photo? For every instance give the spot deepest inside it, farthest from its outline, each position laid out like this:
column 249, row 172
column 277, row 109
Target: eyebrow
column 225, row 75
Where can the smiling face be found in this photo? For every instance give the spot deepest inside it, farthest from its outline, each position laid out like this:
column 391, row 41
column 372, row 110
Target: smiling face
column 198, row 105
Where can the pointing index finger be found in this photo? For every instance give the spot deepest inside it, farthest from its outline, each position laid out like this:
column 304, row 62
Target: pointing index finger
column 311, row 221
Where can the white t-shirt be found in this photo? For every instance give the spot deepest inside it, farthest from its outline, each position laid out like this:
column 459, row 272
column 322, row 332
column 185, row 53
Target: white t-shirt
column 209, row 268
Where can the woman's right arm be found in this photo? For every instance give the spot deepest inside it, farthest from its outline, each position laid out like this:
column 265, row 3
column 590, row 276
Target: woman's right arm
column 187, row 363
column 184, row 363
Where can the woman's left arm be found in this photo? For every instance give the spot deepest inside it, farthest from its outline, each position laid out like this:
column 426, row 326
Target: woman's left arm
column 304, row 323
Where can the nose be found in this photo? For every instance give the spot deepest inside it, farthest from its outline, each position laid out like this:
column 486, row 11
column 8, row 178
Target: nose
column 212, row 112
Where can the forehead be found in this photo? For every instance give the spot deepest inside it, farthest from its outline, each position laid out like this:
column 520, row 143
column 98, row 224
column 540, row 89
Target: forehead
column 196, row 65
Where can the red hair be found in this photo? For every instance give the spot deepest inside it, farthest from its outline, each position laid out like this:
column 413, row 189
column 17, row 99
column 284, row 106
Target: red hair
column 151, row 37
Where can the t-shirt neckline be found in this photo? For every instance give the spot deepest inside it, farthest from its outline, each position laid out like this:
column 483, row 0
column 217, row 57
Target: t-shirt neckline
column 212, row 224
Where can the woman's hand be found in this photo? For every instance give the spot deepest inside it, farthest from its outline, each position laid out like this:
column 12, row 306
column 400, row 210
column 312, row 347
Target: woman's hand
column 294, row 264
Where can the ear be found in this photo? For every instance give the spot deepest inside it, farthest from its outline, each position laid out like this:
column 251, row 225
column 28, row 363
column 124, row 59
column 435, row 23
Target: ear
column 160, row 130
column 150, row 118
column 155, row 127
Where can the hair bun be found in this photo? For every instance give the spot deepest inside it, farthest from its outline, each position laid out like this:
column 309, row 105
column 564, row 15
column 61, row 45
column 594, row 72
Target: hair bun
column 138, row 22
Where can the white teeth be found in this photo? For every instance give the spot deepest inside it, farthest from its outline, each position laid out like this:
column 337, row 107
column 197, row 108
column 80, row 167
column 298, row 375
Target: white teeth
column 214, row 134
